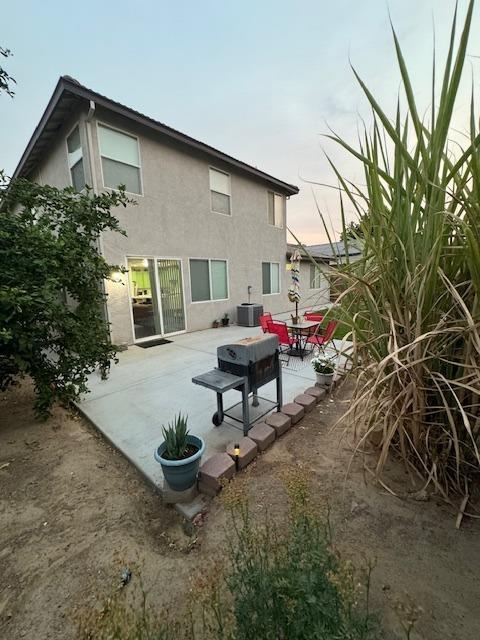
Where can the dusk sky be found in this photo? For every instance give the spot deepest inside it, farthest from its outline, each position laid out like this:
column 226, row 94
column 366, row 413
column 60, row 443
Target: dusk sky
column 258, row 80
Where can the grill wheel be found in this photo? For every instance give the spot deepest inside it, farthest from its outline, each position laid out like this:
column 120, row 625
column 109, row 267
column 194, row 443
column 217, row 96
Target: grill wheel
column 216, row 419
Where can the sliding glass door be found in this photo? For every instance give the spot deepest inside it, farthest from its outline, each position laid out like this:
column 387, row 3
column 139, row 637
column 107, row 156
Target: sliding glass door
column 171, row 294
column 156, row 297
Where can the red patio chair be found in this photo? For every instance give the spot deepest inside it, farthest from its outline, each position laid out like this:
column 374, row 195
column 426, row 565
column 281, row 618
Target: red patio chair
column 284, row 338
column 266, row 317
column 322, row 339
column 313, row 317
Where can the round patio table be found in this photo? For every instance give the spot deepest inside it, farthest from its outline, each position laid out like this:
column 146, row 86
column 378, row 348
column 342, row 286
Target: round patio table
column 301, row 331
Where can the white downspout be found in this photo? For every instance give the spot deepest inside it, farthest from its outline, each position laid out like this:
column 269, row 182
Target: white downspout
column 93, row 176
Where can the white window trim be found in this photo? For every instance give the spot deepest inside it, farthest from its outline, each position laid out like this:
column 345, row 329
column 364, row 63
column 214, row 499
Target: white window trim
column 276, row 293
column 209, row 260
column 225, row 173
column 77, row 124
column 275, row 193
column 100, row 123
column 318, row 276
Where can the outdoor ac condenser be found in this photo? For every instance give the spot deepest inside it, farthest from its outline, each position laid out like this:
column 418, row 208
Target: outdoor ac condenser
column 248, row 315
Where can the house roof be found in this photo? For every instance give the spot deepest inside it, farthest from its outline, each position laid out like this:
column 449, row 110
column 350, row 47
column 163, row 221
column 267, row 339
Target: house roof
column 292, row 247
column 69, row 93
column 334, row 250
column 326, row 252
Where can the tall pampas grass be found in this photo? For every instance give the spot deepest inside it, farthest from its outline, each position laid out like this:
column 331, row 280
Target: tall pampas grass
column 412, row 302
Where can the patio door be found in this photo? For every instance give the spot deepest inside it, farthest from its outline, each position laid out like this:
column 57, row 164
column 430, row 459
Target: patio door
column 171, row 295
column 156, row 297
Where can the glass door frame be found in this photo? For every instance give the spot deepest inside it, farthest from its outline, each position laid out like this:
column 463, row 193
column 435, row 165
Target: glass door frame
column 137, row 256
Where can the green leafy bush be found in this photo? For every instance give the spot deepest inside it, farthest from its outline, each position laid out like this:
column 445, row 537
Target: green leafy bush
column 51, row 301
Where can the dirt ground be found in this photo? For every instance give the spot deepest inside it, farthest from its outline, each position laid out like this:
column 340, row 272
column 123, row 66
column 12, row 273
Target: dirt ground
column 70, row 506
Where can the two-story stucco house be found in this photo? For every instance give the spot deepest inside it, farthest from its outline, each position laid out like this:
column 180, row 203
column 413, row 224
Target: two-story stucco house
column 206, row 226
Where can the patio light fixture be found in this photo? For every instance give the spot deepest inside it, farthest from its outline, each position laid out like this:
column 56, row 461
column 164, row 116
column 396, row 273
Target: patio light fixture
column 236, row 453
column 116, row 276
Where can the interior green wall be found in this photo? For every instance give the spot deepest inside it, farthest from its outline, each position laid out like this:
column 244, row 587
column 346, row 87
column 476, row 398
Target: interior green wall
column 141, row 277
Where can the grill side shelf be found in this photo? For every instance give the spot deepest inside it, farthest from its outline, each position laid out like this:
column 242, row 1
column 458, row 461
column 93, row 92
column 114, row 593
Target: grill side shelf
column 219, row 381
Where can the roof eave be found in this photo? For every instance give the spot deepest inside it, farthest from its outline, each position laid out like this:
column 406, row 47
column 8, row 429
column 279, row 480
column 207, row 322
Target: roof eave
column 67, row 84
column 50, row 108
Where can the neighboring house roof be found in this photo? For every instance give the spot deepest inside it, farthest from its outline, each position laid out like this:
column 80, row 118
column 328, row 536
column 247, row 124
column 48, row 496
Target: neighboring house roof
column 326, row 252
column 69, row 92
column 334, row 250
column 292, row 247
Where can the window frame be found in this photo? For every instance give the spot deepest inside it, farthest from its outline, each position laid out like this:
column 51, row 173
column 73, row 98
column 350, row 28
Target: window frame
column 318, row 274
column 69, row 133
column 209, row 260
column 136, row 256
column 272, row 293
column 284, row 209
column 100, row 123
column 229, row 175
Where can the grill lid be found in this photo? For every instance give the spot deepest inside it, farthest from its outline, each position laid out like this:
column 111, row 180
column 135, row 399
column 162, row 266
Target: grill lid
column 249, row 349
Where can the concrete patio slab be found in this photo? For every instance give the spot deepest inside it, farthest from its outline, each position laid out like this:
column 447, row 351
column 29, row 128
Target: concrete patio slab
column 148, row 387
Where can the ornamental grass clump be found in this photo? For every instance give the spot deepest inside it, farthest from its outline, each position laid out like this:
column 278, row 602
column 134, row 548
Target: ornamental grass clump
column 412, row 302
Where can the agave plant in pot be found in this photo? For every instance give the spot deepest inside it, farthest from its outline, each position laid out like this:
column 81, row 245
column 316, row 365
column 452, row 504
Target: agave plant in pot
column 324, row 367
column 179, row 454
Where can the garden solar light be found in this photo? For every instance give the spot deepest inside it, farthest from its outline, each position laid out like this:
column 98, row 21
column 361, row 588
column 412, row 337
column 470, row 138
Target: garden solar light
column 236, row 452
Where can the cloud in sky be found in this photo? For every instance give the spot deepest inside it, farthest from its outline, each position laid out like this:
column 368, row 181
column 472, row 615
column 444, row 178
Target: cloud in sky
column 258, row 79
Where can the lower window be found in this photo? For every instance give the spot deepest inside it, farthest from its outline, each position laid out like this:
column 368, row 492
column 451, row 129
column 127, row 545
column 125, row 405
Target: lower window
column 208, row 280
column 270, row 277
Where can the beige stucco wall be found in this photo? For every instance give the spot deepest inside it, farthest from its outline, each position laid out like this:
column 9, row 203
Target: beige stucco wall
column 53, row 168
column 173, row 219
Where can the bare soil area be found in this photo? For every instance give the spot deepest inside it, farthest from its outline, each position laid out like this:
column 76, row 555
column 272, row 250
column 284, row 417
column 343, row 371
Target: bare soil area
column 71, row 508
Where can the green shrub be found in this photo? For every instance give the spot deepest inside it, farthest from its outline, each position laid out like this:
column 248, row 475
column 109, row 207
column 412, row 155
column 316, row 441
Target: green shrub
column 273, row 581
column 52, row 324
column 287, row 582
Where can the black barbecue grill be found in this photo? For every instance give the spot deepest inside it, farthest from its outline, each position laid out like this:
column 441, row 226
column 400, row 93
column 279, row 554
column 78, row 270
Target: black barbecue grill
column 245, row 366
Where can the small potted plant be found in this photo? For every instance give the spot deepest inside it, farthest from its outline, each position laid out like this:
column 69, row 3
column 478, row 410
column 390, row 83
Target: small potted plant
column 325, row 369
column 215, row 324
column 179, row 454
column 225, row 320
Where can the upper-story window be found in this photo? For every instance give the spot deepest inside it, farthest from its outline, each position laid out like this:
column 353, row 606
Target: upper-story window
column 220, row 191
column 276, row 209
column 120, row 159
column 75, row 159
